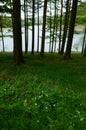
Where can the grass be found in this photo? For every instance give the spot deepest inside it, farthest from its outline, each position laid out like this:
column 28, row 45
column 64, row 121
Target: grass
column 80, row 20
column 43, row 94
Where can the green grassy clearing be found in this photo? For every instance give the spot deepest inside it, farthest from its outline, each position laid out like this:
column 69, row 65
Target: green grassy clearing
column 43, row 94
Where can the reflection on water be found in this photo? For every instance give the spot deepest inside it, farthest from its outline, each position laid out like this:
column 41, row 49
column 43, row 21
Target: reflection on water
column 77, row 38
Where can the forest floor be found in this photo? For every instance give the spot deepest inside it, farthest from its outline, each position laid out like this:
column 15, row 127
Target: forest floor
column 44, row 93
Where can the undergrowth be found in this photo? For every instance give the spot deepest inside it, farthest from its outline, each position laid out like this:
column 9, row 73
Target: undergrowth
column 43, row 94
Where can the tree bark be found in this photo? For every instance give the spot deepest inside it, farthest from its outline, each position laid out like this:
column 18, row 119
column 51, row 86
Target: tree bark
column 18, row 57
column 43, row 29
column 71, row 30
column 38, row 27
column 60, row 35
column 66, row 22
column 84, row 43
column 2, row 33
column 26, row 25
column 33, row 16
column 54, row 26
column 50, row 28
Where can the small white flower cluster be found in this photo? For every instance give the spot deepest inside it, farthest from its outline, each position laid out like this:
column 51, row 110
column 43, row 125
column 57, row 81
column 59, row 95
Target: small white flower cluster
column 25, row 102
column 38, row 121
column 79, row 114
column 82, row 119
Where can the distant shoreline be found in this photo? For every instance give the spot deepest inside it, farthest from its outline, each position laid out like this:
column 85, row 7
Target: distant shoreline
column 79, row 28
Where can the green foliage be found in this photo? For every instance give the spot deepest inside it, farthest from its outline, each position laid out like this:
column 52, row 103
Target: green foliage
column 22, row 23
column 81, row 14
column 6, row 22
column 81, row 20
column 57, row 21
column 43, row 94
column 81, row 10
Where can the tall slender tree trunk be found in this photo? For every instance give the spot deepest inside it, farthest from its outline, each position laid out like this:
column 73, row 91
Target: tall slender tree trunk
column 54, row 26
column 66, row 22
column 18, row 57
column 56, row 29
column 50, row 28
column 2, row 33
column 60, row 35
column 26, row 25
column 83, row 45
column 11, row 6
column 33, row 28
column 38, row 28
column 71, row 30
column 43, row 28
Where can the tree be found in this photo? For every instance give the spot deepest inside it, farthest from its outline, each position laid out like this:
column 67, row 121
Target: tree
column 18, row 57
column 56, row 23
column 33, row 21
column 43, row 28
column 66, row 23
column 50, row 28
column 60, row 35
column 38, row 26
column 4, row 9
column 54, row 27
column 71, row 29
column 2, row 33
column 26, row 25
column 84, row 44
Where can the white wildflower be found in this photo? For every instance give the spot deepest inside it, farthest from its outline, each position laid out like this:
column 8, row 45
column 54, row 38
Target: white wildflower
column 54, row 105
column 35, row 104
column 25, row 102
column 78, row 112
column 38, row 121
column 40, row 96
column 4, row 89
column 46, row 95
column 81, row 119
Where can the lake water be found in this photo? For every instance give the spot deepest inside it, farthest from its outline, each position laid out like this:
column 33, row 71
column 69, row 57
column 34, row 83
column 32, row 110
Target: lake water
column 77, row 38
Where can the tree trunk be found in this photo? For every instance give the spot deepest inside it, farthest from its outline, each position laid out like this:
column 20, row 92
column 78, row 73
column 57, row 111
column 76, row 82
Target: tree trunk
column 83, row 45
column 71, row 30
column 2, row 33
column 43, row 28
column 50, row 28
column 54, row 26
column 38, row 27
column 66, row 22
column 33, row 16
column 60, row 35
column 26, row 25
column 18, row 57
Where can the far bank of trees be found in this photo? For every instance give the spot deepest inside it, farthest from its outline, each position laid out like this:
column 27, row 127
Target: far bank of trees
column 55, row 22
